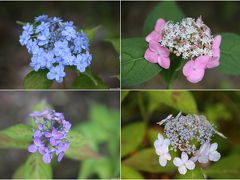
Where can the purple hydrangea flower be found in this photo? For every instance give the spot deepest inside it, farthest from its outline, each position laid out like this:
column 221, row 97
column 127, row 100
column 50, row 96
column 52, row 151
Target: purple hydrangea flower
column 49, row 137
column 53, row 42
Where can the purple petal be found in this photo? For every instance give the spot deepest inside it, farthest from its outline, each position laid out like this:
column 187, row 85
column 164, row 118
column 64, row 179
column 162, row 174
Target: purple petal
column 60, row 156
column 47, row 158
column 53, row 141
column 47, row 134
column 37, row 141
column 32, row 148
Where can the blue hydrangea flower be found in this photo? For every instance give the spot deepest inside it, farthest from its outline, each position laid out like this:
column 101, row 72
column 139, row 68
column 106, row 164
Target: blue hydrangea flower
column 55, row 44
column 50, row 135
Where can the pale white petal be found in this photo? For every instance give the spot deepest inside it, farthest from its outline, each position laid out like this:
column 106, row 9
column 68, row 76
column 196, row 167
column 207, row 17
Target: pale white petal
column 204, row 148
column 194, row 158
column 167, row 156
column 162, row 161
column 203, row 159
column 177, row 162
column 166, row 142
column 190, row 165
column 214, row 156
column 184, row 157
column 182, row 170
column 160, row 138
column 213, row 147
column 157, row 144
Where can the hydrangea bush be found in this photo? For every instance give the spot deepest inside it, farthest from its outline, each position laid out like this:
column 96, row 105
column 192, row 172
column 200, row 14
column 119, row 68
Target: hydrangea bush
column 55, row 44
column 51, row 135
column 190, row 135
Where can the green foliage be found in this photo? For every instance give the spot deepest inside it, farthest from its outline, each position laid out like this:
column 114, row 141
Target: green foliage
column 18, row 136
column 226, row 168
column 101, row 128
column 37, row 80
column 167, row 10
column 124, row 95
column 91, row 32
column 19, row 173
column 115, row 42
column 134, row 68
column 147, row 160
column 131, row 137
column 35, row 168
column 229, row 61
column 179, row 100
column 197, row 173
column 128, row 172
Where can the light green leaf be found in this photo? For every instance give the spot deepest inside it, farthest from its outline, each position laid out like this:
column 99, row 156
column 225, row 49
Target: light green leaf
column 131, row 137
column 19, row 173
column 168, row 10
column 116, row 43
column 91, row 32
column 35, row 168
column 229, row 60
column 18, row 136
column 136, row 69
column 225, row 168
column 179, row 100
column 128, row 172
column 147, row 160
column 37, row 80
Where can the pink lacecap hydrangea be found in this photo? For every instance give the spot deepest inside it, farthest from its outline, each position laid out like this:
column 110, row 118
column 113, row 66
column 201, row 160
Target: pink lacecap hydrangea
column 195, row 67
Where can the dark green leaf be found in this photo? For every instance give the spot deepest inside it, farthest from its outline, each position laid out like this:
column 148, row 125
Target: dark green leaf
column 18, row 136
column 88, row 80
column 136, row 69
column 179, row 100
column 128, row 172
column 37, row 80
column 147, row 160
column 35, row 168
column 124, row 95
column 229, row 60
column 131, row 137
column 167, row 10
column 225, row 168
column 116, row 43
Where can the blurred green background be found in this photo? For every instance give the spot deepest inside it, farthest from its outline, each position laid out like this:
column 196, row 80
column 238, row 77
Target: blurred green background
column 142, row 110
column 14, row 59
column 219, row 16
column 95, row 115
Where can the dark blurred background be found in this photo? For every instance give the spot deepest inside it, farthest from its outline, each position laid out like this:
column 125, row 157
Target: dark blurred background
column 219, row 16
column 14, row 58
column 15, row 109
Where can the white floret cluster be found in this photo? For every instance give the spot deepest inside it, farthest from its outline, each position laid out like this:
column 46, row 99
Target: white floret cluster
column 185, row 133
column 189, row 38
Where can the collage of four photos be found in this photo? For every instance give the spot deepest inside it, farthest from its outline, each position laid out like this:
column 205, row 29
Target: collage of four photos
column 119, row 90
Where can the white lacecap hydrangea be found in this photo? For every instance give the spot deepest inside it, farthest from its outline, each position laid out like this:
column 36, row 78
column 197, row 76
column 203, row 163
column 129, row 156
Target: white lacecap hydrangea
column 191, row 135
column 188, row 38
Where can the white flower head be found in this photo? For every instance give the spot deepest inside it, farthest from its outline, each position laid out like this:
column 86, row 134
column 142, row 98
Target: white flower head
column 184, row 163
column 161, row 147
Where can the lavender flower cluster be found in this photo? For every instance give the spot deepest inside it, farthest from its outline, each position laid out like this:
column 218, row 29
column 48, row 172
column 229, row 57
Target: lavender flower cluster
column 55, row 44
column 50, row 135
column 186, row 133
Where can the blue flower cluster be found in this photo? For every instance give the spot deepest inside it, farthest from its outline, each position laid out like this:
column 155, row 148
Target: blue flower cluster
column 55, row 44
column 50, row 135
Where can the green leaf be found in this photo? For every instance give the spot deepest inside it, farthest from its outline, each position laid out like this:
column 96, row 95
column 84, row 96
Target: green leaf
column 168, row 10
column 147, row 160
column 229, row 59
column 37, row 80
column 91, row 32
column 179, row 100
column 192, row 174
column 18, row 136
column 128, row 172
column 88, row 81
column 35, row 168
column 134, row 68
column 124, row 94
column 19, row 173
column 115, row 42
column 225, row 168
column 131, row 137
column 76, row 139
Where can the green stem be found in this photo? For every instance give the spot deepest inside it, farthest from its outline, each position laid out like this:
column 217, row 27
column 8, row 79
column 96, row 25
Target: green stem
column 91, row 77
column 21, row 23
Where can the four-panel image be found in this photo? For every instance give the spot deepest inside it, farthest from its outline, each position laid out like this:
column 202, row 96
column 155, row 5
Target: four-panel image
column 119, row 90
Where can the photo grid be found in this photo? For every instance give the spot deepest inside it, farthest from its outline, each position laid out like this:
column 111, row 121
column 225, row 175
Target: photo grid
column 119, row 89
